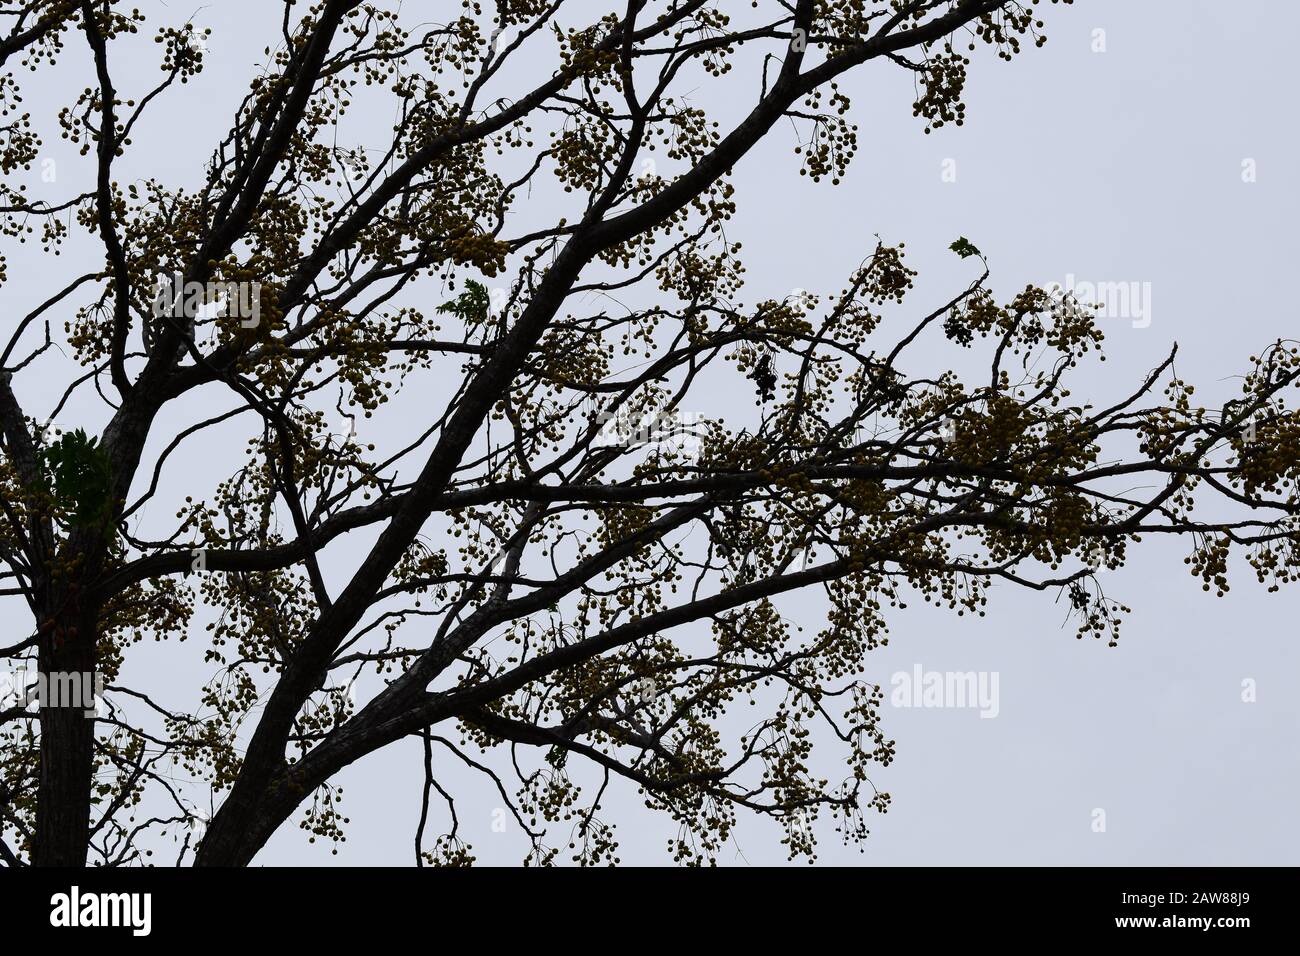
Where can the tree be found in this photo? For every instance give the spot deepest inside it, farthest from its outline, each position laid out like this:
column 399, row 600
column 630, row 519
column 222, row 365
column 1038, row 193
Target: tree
column 523, row 571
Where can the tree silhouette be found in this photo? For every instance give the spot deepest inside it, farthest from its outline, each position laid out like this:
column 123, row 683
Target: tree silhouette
column 565, row 559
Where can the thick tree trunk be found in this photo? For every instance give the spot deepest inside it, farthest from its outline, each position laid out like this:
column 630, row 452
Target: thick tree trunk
column 234, row 838
column 67, row 663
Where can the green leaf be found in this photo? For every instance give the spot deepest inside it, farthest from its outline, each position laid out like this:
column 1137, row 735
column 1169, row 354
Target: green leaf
column 964, row 248
column 471, row 306
column 78, row 477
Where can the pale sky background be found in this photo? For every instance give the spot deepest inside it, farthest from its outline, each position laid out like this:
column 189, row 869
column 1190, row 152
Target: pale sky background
column 1123, row 165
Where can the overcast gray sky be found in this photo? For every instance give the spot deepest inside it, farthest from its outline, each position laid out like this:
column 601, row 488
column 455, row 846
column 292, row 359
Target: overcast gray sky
column 1117, row 164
